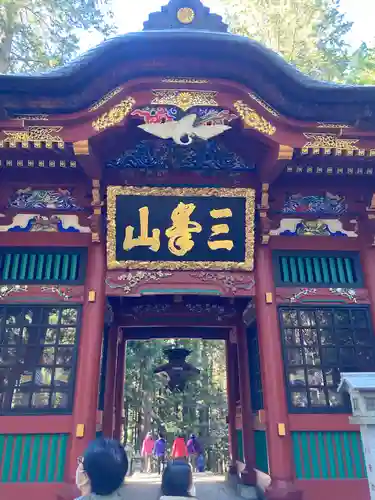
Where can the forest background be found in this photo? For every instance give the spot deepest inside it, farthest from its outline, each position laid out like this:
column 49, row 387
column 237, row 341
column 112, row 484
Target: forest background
column 37, row 35
column 201, row 409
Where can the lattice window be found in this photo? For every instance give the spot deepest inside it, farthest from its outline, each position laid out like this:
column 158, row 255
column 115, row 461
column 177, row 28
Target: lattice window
column 37, row 358
column 319, row 343
column 318, row 269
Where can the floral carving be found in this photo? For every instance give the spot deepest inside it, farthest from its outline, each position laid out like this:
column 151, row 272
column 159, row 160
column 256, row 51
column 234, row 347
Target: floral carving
column 221, row 313
column 251, row 119
column 133, row 279
column 114, row 116
column 231, row 281
column 35, row 134
column 61, row 292
column 185, row 99
column 302, row 293
column 348, row 293
column 6, row 290
column 329, row 141
column 150, row 309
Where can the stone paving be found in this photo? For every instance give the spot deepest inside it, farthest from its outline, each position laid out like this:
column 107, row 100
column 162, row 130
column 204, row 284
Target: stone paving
column 208, row 487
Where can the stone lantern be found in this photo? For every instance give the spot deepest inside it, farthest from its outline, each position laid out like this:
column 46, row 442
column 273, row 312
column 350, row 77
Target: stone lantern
column 361, row 389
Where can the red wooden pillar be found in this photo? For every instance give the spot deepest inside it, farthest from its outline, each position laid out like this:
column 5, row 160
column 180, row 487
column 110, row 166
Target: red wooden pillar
column 119, row 388
column 110, row 381
column 232, row 403
column 89, row 352
column 249, row 475
column 280, row 453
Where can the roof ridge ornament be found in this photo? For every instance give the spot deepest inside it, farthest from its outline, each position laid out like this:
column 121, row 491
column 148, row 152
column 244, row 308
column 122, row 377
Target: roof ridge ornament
column 185, row 14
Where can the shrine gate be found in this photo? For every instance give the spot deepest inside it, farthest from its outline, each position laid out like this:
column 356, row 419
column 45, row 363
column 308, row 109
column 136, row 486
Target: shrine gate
column 183, row 179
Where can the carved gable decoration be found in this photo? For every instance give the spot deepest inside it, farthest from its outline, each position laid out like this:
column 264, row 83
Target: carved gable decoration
column 168, row 122
column 59, row 199
column 327, row 204
column 166, row 155
column 188, row 14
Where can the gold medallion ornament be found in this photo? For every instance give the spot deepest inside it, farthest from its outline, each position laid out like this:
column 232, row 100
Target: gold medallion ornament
column 251, row 119
column 114, row 116
column 185, row 15
column 184, row 99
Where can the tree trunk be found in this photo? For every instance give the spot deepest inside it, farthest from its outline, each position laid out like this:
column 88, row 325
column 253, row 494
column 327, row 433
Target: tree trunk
column 7, row 39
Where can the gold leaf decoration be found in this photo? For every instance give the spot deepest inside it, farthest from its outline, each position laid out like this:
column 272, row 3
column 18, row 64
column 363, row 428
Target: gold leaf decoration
column 115, row 115
column 193, row 81
column 31, row 117
column 35, row 134
column 107, row 97
column 264, row 105
column 251, row 119
column 184, row 99
column 185, row 15
column 329, row 141
column 247, row 264
column 332, row 125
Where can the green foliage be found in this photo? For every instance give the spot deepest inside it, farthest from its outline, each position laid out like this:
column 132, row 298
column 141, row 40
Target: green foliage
column 307, row 33
column 41, row 34
column 361, row 69
column 201, row 409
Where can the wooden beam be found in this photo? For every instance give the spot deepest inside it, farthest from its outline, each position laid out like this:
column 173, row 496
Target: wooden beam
column 87, row 159
column 270, row 168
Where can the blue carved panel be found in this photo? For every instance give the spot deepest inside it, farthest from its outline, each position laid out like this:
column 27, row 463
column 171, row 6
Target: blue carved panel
column 59, row 199
column 327, row 204
column 166, row 155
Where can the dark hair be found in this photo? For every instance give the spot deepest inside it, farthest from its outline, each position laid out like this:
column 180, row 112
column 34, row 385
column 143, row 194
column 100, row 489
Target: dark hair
column 177, row 479
column 106, row 464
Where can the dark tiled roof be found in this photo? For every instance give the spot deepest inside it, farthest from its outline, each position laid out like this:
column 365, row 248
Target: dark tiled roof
column 218, row 55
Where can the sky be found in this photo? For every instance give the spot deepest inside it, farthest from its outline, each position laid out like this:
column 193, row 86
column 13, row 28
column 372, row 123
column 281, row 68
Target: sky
column 130, row 15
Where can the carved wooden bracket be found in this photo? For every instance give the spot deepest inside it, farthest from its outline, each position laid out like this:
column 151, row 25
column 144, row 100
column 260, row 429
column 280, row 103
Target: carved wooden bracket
column 265, row 222
column 96, row 217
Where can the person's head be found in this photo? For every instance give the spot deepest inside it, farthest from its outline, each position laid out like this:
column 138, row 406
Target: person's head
column 177, row 479
column 192, row 436
column 161, row 435
column 106, row 464
column 149, row 435
column 181, row 435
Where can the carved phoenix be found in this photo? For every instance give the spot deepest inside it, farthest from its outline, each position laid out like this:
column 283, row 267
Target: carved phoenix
column 183, row 131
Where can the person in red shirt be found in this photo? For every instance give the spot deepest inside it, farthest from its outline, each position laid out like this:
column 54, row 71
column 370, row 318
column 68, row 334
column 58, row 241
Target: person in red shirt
column 147, row 449
column 179, row 449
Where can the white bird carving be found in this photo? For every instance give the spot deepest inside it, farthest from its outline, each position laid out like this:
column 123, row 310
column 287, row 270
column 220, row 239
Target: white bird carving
column 179, row 129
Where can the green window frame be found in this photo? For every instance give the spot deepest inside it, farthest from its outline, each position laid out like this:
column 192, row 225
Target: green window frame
column 317, row 269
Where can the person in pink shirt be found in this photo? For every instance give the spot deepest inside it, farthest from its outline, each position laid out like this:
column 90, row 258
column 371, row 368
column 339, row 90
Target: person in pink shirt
column 147, row 450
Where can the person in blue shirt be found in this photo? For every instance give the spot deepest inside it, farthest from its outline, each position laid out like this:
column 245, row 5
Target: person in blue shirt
column 160, row 450
column 200, row 463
